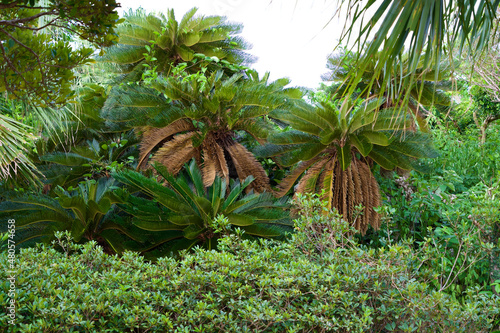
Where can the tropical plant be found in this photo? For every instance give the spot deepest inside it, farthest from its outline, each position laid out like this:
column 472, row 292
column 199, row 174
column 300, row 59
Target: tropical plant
column 83, row 146
column 89, row 160
column 190, row 213
column 428, row 89
column 155, row 42
column 27, row 132
column 181, row 119
column 14, row 163
column 335, row 148
column 89, row 212
column 429, row 30
column 486, row 109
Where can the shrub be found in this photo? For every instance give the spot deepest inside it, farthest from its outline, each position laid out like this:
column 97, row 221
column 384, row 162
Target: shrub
column 259, row 286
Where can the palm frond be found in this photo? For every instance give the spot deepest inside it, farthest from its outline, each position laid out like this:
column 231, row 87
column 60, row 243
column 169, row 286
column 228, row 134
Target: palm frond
column 428, row 29
column 14, row 163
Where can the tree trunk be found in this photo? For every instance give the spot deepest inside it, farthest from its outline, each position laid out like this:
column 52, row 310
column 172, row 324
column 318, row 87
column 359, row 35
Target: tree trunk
column 485, row 125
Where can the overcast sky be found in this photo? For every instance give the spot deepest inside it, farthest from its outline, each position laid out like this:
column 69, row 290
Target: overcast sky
column 291, row 38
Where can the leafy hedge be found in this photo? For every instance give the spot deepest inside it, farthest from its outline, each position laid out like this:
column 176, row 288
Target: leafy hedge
column 264, row 286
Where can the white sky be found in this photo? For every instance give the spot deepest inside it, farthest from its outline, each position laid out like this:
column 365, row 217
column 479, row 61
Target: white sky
column 291, row 38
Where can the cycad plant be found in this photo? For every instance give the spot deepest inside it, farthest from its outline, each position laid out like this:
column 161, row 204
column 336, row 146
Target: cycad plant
column 189, row 214
column 335, row 147
column 89, row 212
column 181, row 119
column 89, row 160
column 428, row 88
column 159, row 43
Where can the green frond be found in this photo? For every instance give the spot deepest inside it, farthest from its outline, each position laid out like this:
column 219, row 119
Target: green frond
column 188, row 22
column 14, row 163
column 413, row 144
column 67, row 159
column 291, row 137
column 295, row 122
column 139, row 106
column 428, row 30
column 135, row 35
column 266, row 230
column 383, row 157
column 303, row 152
column 167, row 40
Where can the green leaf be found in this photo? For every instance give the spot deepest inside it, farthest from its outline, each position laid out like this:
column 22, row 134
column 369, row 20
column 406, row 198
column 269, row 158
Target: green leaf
column 240, row 219
column 344, row 156
column 375, row 138
column 193, row 231
column 362, row 144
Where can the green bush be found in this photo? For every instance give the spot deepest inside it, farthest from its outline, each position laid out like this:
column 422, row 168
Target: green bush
column 247, row 286
column 450, row 214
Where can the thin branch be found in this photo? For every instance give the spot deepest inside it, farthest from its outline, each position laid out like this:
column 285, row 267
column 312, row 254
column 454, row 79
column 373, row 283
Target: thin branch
column 51, row 23
column 15, row 22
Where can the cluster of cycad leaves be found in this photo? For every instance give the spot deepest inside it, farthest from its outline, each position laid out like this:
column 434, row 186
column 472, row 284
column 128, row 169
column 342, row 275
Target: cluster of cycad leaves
column 186, row 97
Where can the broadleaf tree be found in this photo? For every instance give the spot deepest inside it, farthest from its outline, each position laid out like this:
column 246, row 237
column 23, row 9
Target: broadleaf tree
column 38, row 65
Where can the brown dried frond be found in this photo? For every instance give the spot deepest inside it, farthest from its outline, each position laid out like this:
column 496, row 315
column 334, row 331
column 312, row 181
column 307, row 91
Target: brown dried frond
column 375, row 217
column 371, row 197
column 364, row 175
column 246, row 165
column 351, row 199
column 358, row 194
column 287, row 183
column 307, row 183
column 176, row 152
column 152, row 137
column 345, row 210
column 216, row 153
column 208, row 168
column 337, row 189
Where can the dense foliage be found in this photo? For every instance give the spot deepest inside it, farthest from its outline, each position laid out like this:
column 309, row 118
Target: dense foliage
column 36, row 62
column 168, row 163
column 251, row 286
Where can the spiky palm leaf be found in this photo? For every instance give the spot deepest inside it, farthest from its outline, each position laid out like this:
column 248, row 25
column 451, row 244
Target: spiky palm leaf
column 89, row 212
column 201, row 121
column 16, row 162
column 334, row 147
column 186, row 209
column 428, row 29
column 156, row 40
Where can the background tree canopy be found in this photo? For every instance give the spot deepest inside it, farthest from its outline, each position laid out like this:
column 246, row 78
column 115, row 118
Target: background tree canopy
column 35, row 62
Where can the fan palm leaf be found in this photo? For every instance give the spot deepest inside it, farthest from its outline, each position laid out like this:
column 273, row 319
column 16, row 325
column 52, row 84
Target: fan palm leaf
column 428, row 29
